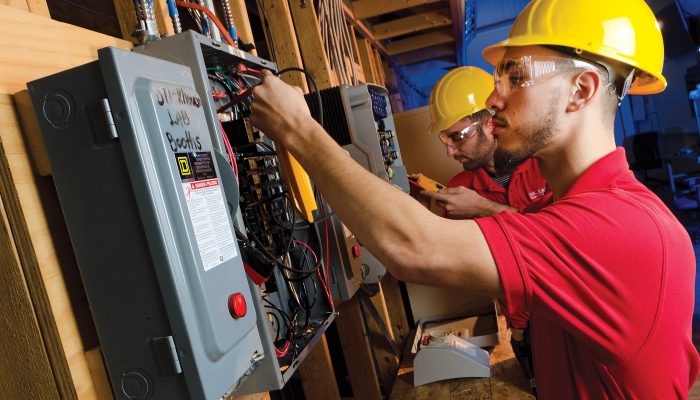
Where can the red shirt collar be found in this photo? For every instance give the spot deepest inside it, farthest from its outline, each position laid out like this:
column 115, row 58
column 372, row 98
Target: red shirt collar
column 601, row 173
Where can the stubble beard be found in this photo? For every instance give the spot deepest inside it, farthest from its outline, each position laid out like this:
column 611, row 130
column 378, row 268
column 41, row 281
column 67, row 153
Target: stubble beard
column 534, row 137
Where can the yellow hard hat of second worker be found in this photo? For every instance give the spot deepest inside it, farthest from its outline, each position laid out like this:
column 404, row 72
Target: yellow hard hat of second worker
column 460, row 93
column 622, row 30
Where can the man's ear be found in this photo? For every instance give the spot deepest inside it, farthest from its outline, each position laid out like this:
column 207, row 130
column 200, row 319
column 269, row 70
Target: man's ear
column 585, row 86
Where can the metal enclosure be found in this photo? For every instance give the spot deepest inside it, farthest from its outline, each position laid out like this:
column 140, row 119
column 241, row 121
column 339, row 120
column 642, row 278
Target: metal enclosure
column 359, row 118
column 148, row 203
column 344, row 255
column 201, row 53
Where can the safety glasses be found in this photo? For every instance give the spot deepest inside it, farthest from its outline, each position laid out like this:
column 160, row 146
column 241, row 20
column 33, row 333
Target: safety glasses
column 515, row 73
column 460, row 137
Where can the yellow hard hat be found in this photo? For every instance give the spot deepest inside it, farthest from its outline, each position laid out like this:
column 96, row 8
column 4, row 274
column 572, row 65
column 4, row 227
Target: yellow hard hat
column 460, row 93
column 621, row 30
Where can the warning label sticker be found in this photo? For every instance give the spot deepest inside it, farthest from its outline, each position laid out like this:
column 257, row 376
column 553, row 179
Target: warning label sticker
column 205, row 201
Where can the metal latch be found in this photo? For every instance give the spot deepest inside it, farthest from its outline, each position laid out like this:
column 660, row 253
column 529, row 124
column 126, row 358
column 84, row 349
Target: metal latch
column 166, row 354
column 109, row 119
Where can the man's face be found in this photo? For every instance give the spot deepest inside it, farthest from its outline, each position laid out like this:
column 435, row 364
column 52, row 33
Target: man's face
column 473, row 151
column 526, row 119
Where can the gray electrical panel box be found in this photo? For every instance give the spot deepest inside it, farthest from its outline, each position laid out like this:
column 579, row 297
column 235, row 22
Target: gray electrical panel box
column 149, row 203
column 293, row 312
column 344, row 255
column 359, row 118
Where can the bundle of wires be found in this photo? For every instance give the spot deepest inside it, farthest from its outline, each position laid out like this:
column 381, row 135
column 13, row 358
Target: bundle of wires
column 336, row 40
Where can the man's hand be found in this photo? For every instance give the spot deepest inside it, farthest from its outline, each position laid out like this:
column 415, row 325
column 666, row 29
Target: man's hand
column 416, row 191
column 460, row 202
column 279, row 110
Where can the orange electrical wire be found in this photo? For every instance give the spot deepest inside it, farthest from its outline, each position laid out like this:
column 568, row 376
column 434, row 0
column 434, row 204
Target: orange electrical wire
column 211, row 16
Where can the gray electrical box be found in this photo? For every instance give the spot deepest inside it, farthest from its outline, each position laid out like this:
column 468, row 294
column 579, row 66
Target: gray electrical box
column 359, row 118
column 149, row 206
column 344, row 256
column 289, row 305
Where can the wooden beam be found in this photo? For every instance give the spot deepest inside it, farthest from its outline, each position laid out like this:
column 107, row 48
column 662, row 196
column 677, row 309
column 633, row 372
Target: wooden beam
column 317, row 376
column 240, row 18
column 412, row 24
column 311, row 44
column 357, row 351
column 39, row 7
column 371, row 8
column 391, row 84
column 284, row 40
column 24, row 365
column 362, row 29
column 394, row 303
column 427, row 54
column 420, row 42
column 458, row 9
column 378, row 68
column 367, row 60
column 387, row 362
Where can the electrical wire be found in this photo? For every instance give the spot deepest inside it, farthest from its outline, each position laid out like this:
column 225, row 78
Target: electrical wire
column 319, row 118
column 182, row 3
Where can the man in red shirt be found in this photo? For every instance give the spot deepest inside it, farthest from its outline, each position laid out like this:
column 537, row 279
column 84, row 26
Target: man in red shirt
column 459, row 116
column 605, row 271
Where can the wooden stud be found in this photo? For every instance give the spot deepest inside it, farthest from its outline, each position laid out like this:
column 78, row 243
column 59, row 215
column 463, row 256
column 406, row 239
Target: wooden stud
column 39, row 7
column 394, row 305
column 420, row 42
column 24, row 365
column 284, row 40
column 317, row 379
column 20, row 4
column 390, row 80
column 362, row 29
column 458, row 10
column 378, row 68
column 412, row 24
column 32, row 133
column 387, row 362
column 357, row 351
column 371, row 8
column 68, row 46
column 240, row 18
column 311, row 43
column 367, row 60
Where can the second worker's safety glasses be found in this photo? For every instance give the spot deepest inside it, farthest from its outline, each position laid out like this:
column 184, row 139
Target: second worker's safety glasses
column 515, row 73
column 461, row 136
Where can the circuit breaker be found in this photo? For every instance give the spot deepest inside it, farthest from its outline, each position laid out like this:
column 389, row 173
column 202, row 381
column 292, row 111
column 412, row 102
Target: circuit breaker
column 359, row 119
column 282, row 252
column 149, row 204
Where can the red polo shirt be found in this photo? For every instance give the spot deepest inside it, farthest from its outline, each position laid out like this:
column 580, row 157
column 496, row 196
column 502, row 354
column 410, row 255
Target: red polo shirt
column 607, row 274
column 526, row 185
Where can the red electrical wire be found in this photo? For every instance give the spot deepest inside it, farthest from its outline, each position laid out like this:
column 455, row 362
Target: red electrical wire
column 229, row 150
column 281, row 353
column 211, row 16
column 309, row 248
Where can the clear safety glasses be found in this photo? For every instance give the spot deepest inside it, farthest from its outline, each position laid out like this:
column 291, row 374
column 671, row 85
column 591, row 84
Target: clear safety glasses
column 515, row 73
column 458, row 138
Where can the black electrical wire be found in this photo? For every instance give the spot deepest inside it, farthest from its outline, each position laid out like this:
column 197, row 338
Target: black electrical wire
column 315, row 87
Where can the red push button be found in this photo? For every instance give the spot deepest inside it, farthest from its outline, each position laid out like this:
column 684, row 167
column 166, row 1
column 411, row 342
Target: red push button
column 356, row 251
column 237, row 306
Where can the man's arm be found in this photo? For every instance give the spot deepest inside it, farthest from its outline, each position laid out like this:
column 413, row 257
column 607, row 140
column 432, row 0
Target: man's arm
column 461, row 202
column 414, row 244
